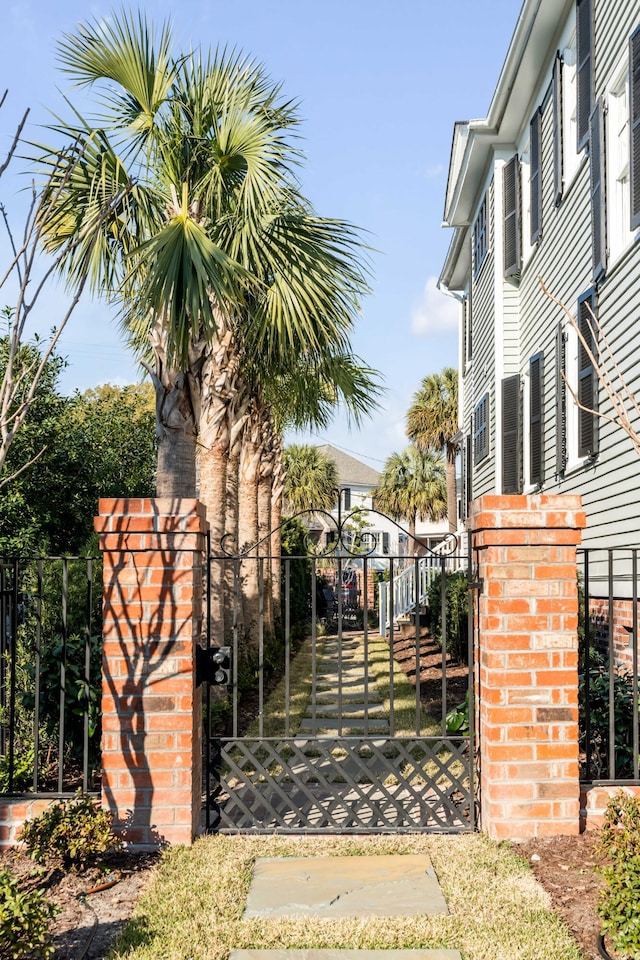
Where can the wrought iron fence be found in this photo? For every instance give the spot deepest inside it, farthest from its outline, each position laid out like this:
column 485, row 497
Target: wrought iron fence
column 50, row 675
column 608, row 663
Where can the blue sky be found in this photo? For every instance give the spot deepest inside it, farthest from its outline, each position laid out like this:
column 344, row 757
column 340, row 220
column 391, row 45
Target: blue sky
column 380, row 86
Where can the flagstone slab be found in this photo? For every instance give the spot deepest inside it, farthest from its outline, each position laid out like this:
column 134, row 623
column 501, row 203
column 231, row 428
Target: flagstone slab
column 374, row 886
column 345, row 955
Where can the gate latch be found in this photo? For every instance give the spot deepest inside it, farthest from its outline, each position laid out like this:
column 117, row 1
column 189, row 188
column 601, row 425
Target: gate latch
column 213, row 665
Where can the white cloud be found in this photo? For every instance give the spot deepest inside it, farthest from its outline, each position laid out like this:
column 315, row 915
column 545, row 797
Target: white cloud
column 435, row 313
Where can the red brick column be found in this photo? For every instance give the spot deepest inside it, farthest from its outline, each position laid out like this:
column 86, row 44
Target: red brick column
column 527, row 663
column 151, row 706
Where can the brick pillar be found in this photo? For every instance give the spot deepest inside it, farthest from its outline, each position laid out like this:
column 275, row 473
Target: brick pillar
column 527, row 663
column 151, row 706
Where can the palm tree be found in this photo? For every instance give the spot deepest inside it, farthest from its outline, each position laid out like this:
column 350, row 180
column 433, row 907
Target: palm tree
column 209, row 238
column 311, row 479
column 412, row 485
column 432, row 424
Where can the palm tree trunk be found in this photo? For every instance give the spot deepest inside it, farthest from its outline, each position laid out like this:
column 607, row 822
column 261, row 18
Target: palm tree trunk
column 248, row 526
column 265, row 549
column 176, row 415
column 277, row 489
column 220, row 385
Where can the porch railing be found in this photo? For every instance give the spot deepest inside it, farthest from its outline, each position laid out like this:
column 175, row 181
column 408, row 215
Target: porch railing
column 407, row 589
column 50, row 675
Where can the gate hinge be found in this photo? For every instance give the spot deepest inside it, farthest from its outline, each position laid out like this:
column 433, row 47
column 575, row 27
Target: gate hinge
column 213, row 665
column 475, row 585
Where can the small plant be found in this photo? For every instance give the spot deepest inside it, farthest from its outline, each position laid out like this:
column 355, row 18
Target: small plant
column 457, row 720
column 71, row 833
column 24, row 921
column 619, row 846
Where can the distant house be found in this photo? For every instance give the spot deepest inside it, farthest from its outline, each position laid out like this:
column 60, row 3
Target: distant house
column 548, row 185
column 358, row 483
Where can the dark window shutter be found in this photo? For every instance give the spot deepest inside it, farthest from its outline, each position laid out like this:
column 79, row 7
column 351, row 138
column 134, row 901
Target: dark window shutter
column 536, row 433
column 385, row 542
column 511, row 210
column 558, row 135
column 584, row 43
column 561, row 402
column 511, row 435
column 481, row 430
column 347, row 498
column 598, row 191
column 480, row 244
column 468, row 493
column 465, row 331
column 470, row 323
column 634, row 98
column 587, row 392
column 535, row 140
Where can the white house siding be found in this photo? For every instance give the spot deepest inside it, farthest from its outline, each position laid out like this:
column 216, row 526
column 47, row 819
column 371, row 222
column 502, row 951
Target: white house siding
column 610, row 486
column 481, row 377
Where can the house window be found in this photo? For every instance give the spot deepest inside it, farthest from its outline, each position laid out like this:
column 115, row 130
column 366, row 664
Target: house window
column 584, row 48
column 481, row 430
column 480, row 244
column 511, row 435
column 536, row 431
column 346, row 498
column 558, row 129
column 598, row 191
column 618, row 165
column 385, row 543
column 535, row 176
column 511, row 212
column 634, row 100
column 561, row 401
column 587, row 383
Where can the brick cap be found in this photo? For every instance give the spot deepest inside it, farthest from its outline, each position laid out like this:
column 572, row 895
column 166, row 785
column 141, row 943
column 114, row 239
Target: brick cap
column 151, row 506
column 526, row 512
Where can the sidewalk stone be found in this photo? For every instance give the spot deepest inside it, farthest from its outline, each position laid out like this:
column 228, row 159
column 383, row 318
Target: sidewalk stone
column 345, row 955
column 373, row 886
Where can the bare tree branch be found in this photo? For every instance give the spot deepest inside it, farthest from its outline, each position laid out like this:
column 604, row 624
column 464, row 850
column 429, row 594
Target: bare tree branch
column 602, row 359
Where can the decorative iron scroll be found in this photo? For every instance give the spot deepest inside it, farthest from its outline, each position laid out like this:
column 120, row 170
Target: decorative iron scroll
column 350, row 538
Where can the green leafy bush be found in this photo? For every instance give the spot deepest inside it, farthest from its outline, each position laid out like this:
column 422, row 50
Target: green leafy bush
column 456, row 613
column 598, row 744
column 71, row 833
column 619, row 846
column 24, row 921
column 457, row 720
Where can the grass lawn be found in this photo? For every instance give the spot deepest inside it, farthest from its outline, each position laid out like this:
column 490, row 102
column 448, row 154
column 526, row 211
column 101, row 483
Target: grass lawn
column 193, row 906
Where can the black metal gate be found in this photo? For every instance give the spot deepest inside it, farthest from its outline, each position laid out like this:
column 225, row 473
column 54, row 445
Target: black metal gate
column 330, row 706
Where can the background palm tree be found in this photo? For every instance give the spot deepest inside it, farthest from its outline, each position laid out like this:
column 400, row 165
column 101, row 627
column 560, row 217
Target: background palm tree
column 412, row 485
column 432, row 424
column 310, row 479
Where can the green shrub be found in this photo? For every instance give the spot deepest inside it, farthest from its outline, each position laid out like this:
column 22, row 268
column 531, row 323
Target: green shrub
column 24, row 920
column 70, row 833
column 456, row 612
column 599, row 722
column 619, row 845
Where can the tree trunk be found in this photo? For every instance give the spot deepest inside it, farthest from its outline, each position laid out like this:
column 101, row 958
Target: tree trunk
column 220, row 386
column 277, row 487
column 265, row 549
column 248, row 526
column 177, row 394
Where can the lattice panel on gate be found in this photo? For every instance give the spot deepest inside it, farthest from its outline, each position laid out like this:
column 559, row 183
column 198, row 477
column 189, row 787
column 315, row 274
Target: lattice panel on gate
column 348, row 784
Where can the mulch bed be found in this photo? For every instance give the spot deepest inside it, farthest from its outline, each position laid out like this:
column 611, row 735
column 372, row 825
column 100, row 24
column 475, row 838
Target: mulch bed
column 88, row 922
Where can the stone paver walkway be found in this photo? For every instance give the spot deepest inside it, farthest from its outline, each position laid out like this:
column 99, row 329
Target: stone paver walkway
column 370, row 886
column 342, row 705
